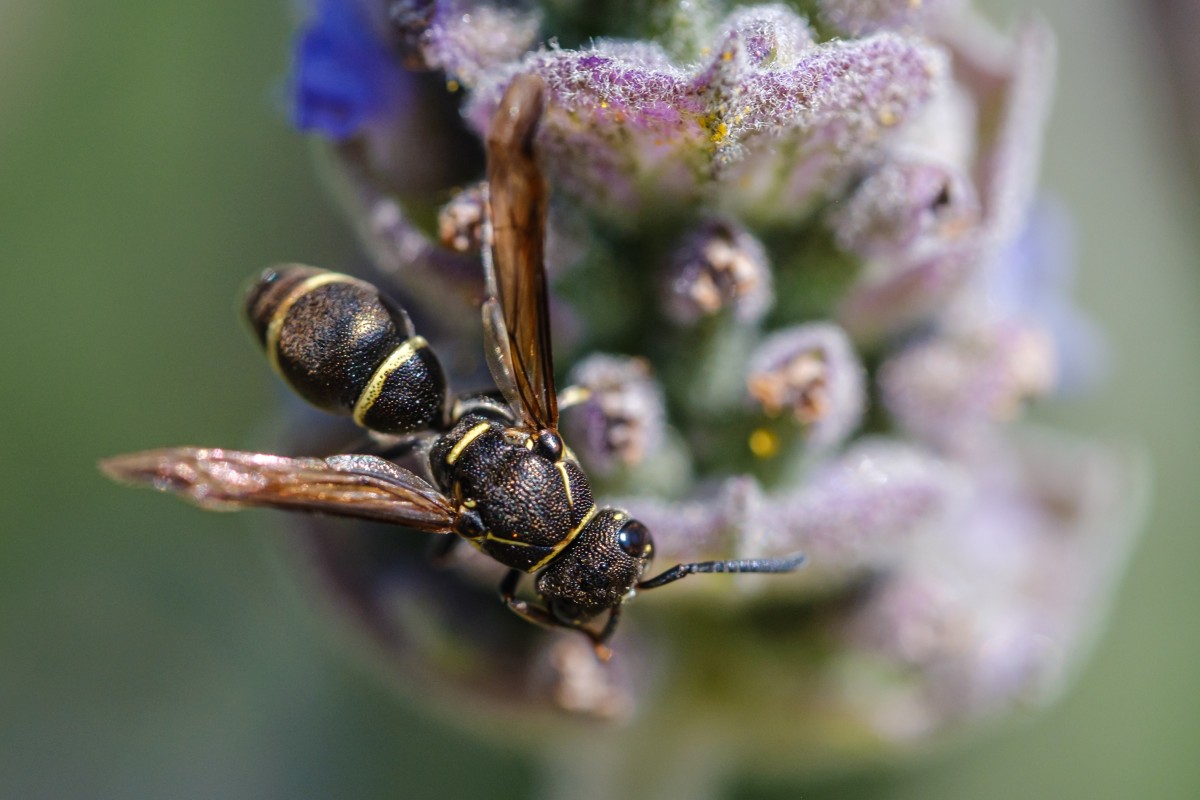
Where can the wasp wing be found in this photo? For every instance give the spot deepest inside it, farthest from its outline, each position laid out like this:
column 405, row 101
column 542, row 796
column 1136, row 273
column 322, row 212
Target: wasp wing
column 516, row 315
column 359, row 486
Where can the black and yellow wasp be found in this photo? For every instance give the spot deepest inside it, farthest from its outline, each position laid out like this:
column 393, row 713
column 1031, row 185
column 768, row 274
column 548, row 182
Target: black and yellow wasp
column 501, row 475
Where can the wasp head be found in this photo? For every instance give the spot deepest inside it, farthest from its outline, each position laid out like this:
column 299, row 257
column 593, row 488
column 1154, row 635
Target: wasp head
column 599, row 568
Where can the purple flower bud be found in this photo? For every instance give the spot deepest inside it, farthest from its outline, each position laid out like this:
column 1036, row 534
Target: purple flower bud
column 1014, row 90
column 905, row 210
column 952, row 390
column 460, row 222
column 622, row 417
column 718, row 266
column 811, row 372
column 773, row 36
column 464, row 38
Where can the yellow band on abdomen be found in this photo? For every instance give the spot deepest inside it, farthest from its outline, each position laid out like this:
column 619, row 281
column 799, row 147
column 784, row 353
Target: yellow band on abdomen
column 275, row 326
column 370, row 393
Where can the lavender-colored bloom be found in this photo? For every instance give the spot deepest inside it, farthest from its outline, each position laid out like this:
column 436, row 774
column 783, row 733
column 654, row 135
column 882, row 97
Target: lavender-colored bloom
column 718, row 266
column 995, row 615
column 768, row 126
column 1010, row 85
column 620, row 420
column 855, row 514
column 883, row 180
column 955, row 389
column 905, row 210
column 812, row 373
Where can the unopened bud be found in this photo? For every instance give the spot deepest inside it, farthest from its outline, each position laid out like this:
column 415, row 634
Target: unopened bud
column 460, row 222
column 812, row 372
column 719, row 266
column 622, row 418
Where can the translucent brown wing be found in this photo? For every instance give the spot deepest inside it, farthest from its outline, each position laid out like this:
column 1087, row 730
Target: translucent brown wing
column 360, row 486
column 516, row 315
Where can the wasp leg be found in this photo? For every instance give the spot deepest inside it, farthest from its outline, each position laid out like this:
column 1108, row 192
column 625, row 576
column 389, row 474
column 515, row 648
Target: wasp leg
column 785, row 564
column 532, row 612
column 573, row 396
column 539, row 614
column 600, row 640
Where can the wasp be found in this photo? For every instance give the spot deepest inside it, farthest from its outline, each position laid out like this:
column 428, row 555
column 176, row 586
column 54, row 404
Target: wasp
column 498, row 473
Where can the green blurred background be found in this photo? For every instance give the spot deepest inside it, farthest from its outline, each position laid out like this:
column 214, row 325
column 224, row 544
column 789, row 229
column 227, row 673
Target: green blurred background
column 148, row 649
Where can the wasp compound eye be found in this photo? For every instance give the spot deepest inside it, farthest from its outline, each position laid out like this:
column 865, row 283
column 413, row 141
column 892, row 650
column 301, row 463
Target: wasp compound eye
column 635, row 540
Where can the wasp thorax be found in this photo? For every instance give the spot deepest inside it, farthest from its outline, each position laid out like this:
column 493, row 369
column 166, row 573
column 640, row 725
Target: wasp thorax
column 600, row 567
column 346, row 349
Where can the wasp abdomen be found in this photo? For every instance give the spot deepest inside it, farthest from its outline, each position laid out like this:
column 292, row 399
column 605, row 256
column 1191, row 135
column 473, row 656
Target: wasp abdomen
column 346, row 349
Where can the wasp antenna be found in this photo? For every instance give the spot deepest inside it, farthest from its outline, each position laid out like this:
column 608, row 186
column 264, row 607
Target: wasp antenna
column 761, row 565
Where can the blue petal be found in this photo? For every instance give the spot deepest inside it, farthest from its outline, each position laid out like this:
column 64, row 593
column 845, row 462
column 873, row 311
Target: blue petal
column 345, row 75
column 1034, row 280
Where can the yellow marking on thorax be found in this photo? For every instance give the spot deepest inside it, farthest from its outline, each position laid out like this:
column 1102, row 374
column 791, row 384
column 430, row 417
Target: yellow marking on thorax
column 491, row 537
column 570, row 537
column 467, row 438
column 275, row 326
column 370, row 393
column 561, row 466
